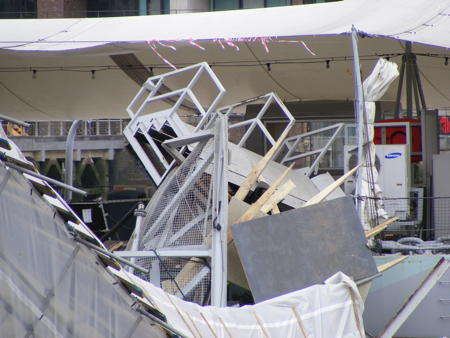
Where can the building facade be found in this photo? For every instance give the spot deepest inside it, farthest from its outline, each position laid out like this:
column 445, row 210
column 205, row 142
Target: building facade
column 23, row 9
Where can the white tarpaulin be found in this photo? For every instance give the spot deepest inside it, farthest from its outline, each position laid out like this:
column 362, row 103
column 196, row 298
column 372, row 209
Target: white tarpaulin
column 375, row 86
column 333, row 309
column 46, row 65
column 423, row 21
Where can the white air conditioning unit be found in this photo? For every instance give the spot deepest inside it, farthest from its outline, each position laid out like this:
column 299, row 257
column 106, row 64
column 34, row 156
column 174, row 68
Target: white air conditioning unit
column 393, row 164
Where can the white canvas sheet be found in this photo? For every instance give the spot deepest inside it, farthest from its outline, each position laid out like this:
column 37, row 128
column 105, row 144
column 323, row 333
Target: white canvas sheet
column 423, row 21
column 333, row 309
column 375, row 86
column 64, row 51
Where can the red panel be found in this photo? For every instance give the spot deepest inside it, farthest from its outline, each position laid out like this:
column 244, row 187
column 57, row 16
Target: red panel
column 397, row 135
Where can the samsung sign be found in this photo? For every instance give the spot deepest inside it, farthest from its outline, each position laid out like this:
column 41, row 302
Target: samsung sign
column 392, row 155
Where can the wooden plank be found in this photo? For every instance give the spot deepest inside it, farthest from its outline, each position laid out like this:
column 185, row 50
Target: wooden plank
column 328, row 190
column 275, row 210
column 256, row 207
column 390, row 264
column 379, row 228
column 278, row 196
column 189, row 270
column 259, row 168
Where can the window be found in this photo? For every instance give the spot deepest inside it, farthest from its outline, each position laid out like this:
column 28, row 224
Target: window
column 317, row 1
column 221, row 5
column 253, row 3
column 274, row 3
column 158, row 7
column 97, row 8
column 17, row 9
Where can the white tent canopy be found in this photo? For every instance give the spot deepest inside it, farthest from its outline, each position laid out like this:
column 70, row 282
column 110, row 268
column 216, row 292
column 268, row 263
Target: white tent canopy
column 65, row 51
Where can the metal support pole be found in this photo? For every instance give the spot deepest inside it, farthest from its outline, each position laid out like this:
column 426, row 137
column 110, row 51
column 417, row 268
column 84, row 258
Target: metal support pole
column 399, row 88
column 413, row 84
column 140, row 214
column 68, row 177
column 415, row 88
column 42, row 177
column 111, row 255
column 409, row 83
column 220, row 214
column 359, row 112
column 13, row 120
column 419, row 86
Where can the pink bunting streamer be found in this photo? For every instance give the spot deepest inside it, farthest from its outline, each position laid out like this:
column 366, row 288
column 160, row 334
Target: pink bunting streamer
column 166, row 45
column 298, row 42
column 193, row 43
column 231, row 44
column 222, row 42
column 153, row 47
column 264, row 42
column 219, row 41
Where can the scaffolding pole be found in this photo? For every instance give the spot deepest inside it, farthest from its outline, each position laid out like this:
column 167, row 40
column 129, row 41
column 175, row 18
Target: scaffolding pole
column 359, row 112
column 220, row 214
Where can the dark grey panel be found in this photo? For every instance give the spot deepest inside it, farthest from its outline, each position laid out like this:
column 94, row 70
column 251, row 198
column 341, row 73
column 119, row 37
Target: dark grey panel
column 302, row 247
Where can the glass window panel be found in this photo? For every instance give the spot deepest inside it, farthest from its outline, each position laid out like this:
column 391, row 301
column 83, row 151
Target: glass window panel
column 20, row 9
column 97, row 8
column 252, row 3
column 221, row 5
column 274, row 3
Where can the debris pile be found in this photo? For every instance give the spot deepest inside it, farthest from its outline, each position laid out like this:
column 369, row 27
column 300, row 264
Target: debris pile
column 235, row 206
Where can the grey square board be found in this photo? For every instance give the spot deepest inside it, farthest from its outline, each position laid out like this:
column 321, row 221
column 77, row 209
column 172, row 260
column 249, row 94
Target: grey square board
column 302, row 247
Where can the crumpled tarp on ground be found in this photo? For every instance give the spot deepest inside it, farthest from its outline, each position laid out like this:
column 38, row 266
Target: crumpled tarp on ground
column 333, row 309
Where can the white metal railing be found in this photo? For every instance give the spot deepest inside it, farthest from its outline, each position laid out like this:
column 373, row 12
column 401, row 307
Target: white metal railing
column 103, row 127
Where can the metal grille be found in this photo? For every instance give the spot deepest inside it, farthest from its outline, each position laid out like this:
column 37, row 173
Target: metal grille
column 167, row 270
column 426, row 217
column 180, row 216
column 441, row 216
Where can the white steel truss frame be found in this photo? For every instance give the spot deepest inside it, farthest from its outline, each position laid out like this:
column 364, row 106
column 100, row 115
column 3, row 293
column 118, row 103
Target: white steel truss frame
column 142, row 123
column 291, row 144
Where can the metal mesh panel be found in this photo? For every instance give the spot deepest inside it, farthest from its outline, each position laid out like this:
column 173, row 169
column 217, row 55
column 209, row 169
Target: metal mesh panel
column 179, row 216
column 413, row 218
column 195, row 272
column 43, row 128
column 441, row 216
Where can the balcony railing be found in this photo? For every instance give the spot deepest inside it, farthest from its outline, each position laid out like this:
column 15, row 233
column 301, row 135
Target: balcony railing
column 110, row 127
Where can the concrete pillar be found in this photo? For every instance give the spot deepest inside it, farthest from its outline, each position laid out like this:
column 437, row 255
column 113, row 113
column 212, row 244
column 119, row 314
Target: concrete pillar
column 61, row 8
column 50, row 8
column 75, row 8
